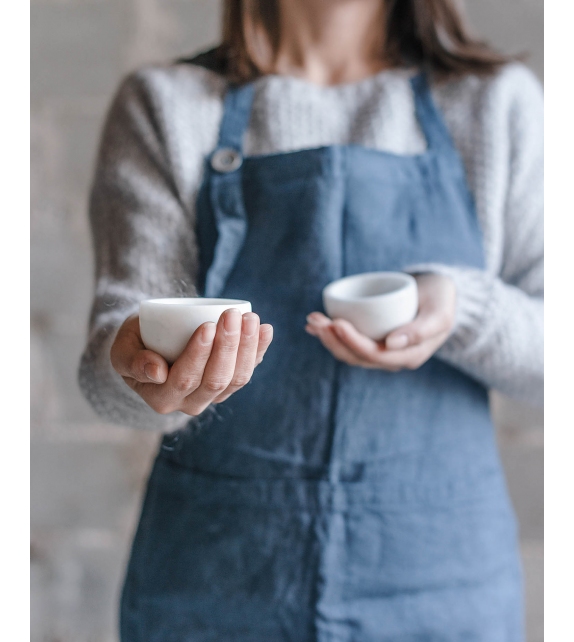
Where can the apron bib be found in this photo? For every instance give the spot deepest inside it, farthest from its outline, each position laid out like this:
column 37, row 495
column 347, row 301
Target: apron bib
column 325, row 502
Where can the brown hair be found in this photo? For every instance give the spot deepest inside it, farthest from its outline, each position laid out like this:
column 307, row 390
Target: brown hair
column 425, row 33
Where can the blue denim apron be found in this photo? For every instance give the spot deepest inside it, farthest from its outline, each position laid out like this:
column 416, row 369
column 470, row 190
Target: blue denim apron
column 326, row 502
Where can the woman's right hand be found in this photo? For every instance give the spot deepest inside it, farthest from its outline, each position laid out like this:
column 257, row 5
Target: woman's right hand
column 217, row 361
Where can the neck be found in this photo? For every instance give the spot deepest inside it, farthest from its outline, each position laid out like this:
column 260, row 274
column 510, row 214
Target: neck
column 330, row 41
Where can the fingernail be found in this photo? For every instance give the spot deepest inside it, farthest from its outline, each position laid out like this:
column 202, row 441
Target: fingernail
column 151, row 372
column 249, row 325
column 312, row 319
column 232, row 321
column 208, row 333
column 266, row 331
column 397, row 342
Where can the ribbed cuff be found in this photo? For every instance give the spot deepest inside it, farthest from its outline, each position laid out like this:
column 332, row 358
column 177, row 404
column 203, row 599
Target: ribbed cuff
column 473, row 300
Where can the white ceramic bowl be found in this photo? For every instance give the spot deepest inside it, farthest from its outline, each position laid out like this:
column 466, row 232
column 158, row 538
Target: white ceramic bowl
column 374, row 302
column 166, row 325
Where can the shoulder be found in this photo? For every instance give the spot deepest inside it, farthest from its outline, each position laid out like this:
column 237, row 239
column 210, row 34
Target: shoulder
column 168, row 112
column 161, row 84
column 513, row 78
column 172, row 107
column 506, row 98
column 516, row 84
column 496, row 123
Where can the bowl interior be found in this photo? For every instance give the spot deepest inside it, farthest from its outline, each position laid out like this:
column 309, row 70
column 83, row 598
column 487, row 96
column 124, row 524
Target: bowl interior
column 364, row 287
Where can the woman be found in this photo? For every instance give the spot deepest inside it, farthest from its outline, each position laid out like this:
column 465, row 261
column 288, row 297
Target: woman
column 351, row 491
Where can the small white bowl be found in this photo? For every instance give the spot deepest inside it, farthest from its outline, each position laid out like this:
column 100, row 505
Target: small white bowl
column 376, row 303
column 166, row 325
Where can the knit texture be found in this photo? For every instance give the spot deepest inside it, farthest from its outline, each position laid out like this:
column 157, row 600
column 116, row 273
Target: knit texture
column 164, row 121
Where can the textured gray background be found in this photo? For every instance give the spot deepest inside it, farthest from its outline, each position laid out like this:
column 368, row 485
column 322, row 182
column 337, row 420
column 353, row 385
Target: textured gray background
column 87, row 477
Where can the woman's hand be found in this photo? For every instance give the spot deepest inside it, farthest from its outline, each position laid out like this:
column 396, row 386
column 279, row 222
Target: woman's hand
column 406, row 347
column 217, row 361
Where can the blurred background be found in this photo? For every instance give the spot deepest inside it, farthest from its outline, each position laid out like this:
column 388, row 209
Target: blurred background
column 87, row 476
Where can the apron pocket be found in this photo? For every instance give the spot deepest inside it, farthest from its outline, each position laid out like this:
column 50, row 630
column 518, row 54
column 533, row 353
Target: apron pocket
column 218, row 558
column 433, row 569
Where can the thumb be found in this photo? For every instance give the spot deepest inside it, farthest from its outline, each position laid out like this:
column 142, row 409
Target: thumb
column 428, row 323
column 132, row 360
column 145, row 366
column 148, row 366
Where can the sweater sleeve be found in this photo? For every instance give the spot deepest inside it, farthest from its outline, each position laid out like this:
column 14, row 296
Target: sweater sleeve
column 498, row 333
column 143, row 242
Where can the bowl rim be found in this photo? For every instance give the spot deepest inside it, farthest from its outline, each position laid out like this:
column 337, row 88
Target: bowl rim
column 194, row 302
column 408, row 281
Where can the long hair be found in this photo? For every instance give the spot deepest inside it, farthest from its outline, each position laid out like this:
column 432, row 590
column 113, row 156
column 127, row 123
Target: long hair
column 425, row 33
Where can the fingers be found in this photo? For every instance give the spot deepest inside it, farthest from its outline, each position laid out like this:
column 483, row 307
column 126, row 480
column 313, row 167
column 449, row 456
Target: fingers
column 187, row 371
column 349, row 345
column 364, row 347
column 375, row 354
column 230, row 367
column 322, row 327
column 265, row 338
column 246, row 355
column 367, row 353
column 220, row 365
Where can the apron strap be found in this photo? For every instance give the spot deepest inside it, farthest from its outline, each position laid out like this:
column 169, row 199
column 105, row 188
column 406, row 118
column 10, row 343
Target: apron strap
column 236, row 114
column 225, row 191
column 429, row 116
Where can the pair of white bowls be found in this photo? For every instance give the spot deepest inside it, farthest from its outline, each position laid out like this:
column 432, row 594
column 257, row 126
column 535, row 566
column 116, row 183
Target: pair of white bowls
column 375, row 303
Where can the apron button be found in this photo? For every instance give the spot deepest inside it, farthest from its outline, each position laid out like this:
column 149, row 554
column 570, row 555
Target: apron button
column 226, row 160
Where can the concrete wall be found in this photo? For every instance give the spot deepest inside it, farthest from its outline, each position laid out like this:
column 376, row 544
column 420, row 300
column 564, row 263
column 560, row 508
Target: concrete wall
column 87, row 477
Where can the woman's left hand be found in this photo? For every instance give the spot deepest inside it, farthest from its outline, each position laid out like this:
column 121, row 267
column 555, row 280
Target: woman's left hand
column 409, row 346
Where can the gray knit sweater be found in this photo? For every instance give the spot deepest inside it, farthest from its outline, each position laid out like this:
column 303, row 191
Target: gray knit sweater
column 163, row 122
